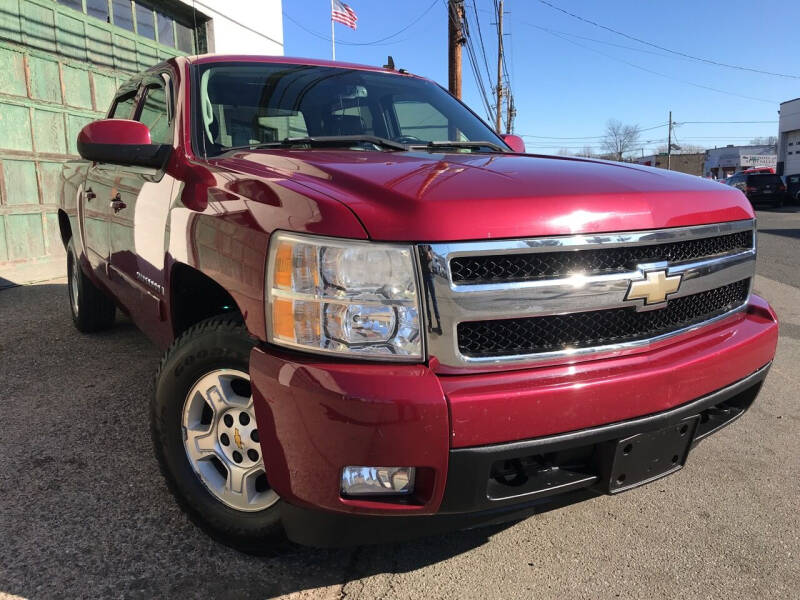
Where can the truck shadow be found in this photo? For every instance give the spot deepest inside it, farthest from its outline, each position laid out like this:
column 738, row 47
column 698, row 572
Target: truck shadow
column 791, row 233
column 789, row 208
column 84, row 509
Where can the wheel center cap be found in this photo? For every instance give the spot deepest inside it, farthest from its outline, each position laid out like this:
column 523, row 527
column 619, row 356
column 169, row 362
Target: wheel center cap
column 238, row 437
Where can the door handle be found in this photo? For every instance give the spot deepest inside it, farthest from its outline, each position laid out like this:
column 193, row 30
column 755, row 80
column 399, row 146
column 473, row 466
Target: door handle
column 90, row 195
column 117, row 204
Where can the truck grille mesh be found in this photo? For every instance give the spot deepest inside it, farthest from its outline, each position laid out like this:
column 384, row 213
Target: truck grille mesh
column 538, row 265
column 530, row 335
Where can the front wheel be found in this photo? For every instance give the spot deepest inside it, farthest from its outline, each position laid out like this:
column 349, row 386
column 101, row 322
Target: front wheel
column 207, row 440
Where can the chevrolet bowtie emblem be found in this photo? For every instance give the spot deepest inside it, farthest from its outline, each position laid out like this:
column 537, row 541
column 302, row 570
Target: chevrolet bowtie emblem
column 654, row 288
column 237, row 438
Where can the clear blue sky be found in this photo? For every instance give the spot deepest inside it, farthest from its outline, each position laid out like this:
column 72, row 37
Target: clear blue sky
column 569, row 86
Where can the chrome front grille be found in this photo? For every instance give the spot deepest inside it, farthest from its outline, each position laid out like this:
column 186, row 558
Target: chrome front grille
column 541, row 265
column 494, row 303
column 530, row 335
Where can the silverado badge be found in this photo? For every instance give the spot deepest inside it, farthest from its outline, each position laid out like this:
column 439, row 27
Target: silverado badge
column 653, row 288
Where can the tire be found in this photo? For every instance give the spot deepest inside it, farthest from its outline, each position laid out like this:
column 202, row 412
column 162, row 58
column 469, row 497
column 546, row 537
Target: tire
column 91, row 309
column 188, row 422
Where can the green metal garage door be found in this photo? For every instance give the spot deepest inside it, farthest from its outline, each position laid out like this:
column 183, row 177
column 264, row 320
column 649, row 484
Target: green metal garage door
column 60, row 64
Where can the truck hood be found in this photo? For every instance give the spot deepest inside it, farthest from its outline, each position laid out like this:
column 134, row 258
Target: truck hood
column 419, row 196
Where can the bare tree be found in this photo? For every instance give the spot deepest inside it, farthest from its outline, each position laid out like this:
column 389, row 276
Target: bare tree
column 586, row 151
column 564, row 152
column 769, row 140
column 620, row 138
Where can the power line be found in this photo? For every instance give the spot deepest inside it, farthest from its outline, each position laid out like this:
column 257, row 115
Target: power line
column 597, row 41
column 677, row 52
column 645, row 69
column 372, row 43
column 235, row 22
column 473, row 61
column 480, row 37
column 586, row 137
column 725, row 122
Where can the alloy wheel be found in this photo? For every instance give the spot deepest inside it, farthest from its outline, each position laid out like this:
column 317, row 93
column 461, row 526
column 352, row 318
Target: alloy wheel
column 221, row 440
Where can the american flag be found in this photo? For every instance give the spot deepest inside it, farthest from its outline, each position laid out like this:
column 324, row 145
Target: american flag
column 341, row 13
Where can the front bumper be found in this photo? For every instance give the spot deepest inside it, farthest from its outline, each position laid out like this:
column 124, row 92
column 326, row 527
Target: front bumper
column 319, row 416
column 474, row 498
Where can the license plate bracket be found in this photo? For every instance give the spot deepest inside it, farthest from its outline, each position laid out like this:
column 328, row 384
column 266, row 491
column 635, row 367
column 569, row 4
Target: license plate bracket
column 645, row 457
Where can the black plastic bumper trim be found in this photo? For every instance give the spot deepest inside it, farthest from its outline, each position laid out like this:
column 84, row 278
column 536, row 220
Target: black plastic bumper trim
column 469, row 468
column 324, row 529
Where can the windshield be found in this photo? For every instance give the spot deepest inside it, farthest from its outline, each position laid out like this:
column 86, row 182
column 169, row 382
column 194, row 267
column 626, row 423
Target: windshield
column 245, row 104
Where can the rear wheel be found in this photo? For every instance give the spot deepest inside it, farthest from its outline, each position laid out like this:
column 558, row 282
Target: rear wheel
column 207, row 440
column 91, row 309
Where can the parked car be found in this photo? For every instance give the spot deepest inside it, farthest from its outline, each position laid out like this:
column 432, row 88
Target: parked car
column 380, row 319
column 760, row 188
column 792, row 183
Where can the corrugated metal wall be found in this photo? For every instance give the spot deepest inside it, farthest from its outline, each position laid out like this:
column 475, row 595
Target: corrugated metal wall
column 59, row 69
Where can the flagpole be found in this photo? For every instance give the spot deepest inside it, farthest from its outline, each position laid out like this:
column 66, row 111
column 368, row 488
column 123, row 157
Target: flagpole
column 333, row 39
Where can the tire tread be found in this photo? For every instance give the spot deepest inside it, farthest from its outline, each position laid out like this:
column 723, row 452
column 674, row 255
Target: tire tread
column 269, row 539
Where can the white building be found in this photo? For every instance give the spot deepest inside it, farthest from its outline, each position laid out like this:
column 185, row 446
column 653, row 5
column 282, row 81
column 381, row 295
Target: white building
column 723, row 162
column 789, row 138
column 241, row 26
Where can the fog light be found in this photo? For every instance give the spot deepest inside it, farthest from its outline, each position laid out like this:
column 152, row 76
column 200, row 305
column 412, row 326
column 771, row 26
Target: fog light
column 371, row 481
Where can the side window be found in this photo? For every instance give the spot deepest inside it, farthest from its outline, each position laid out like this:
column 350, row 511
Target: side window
column 277, row 126
column 155, row 115
column 123, row 107
column 421, row 120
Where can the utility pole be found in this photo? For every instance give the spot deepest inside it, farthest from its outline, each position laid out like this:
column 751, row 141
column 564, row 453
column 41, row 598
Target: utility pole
column 669, row 143
column 455, row 39
column 512, row 112
column 499, row 111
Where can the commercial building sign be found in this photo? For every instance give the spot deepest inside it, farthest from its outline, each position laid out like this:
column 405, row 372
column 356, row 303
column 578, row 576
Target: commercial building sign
column 759, row 160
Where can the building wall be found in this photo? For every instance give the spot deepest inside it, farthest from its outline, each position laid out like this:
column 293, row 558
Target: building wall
column 59, row 70
column 789, row 138
column 244, row 26
column 723, row 162
column 692, row 164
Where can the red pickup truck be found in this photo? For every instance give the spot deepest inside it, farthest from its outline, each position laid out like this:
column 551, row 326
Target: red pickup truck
column 382, row 320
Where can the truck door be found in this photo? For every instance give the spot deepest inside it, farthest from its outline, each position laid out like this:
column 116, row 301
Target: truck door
column 139, row 210
column 97, row 190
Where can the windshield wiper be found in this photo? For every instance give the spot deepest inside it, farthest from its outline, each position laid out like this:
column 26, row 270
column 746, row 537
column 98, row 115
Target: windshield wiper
column 456, row 145
column 325, row 141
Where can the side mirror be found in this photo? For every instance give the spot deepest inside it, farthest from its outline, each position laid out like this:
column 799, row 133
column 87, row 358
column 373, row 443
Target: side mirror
column 121, row 142
column 514, row 142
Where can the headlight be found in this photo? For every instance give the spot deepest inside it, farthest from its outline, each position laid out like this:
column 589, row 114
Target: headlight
column 346, row 297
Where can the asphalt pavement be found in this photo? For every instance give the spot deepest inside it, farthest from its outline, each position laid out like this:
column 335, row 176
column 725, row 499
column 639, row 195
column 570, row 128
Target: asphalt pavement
column 84, row 511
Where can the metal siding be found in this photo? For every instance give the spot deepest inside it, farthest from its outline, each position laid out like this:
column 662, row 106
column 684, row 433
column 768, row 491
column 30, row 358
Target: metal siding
column 59, row 70
column 3, row 250
column 792, row 163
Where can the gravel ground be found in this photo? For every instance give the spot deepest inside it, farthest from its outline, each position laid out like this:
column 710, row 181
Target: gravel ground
column 84, row 511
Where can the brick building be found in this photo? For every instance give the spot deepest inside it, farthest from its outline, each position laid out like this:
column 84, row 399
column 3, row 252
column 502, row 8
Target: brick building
column 691, row 164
